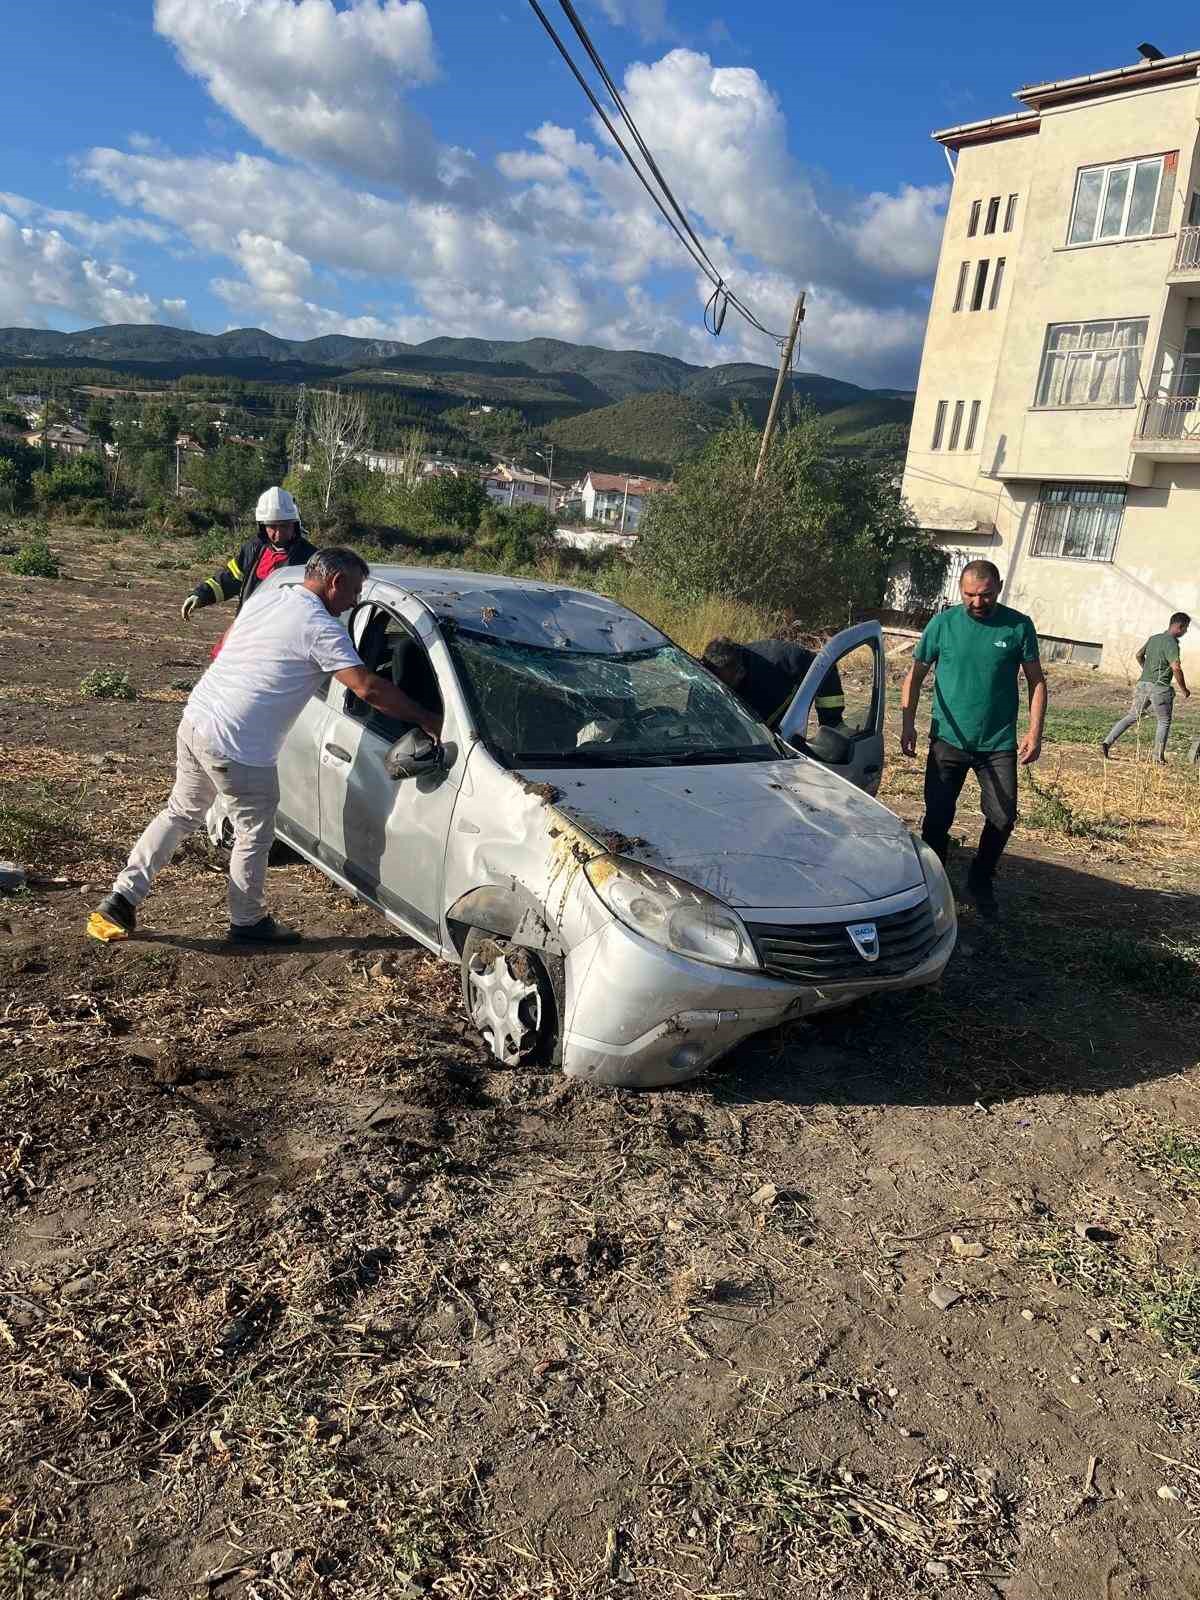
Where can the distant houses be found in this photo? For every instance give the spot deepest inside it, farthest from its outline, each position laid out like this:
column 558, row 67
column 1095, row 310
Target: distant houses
column 508, row 485
column 616, row 498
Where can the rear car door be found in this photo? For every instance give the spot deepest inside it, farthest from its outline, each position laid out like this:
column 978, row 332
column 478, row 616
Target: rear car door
column 855, row 749
column 386, row 836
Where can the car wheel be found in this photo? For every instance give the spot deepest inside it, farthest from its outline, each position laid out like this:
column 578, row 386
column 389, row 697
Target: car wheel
column 508, row 995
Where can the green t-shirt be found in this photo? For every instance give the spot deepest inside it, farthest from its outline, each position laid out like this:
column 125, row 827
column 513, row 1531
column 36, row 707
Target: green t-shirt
column 975, row 694
column 1162, row 649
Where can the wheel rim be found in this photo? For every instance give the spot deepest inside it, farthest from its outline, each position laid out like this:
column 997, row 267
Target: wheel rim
column 506, row 1003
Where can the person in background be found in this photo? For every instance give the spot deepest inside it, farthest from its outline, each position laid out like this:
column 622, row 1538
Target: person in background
column 278, row 542
column 286, row 641
column 980, row 649
column 1161, row 672
column 765, row 676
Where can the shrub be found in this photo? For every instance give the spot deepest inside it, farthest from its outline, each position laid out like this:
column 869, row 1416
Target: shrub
column 35, row 560
column 818, row 535
column 106, row 683
column 448, row 501
column 77, row 478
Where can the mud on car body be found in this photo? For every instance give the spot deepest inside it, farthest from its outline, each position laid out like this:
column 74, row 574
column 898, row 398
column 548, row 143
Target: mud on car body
column 630, row 871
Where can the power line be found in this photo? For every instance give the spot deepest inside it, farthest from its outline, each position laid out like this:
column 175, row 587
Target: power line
column 722, row 294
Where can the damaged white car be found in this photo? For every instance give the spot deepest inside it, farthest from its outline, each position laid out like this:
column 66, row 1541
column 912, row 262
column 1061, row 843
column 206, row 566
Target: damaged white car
column 632, row 873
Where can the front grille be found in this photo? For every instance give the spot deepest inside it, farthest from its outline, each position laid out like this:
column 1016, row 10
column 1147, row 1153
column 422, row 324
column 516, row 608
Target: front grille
column 821, row 952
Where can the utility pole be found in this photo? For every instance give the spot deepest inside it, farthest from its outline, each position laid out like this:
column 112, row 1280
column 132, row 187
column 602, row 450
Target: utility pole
column 624, row 502
column 298, row 439
column 785, row 367
column 177, row 469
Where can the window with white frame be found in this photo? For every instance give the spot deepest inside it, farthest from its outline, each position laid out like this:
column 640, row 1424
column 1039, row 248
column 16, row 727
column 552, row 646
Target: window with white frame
column 1091, row 363
column 961, row 289
column 972, row 425
column 1126, row 200
column 1080, row 521
column 939, row 426
column 1010, row 213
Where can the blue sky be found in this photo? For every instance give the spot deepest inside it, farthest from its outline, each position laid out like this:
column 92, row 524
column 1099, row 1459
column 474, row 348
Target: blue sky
column 406, row 168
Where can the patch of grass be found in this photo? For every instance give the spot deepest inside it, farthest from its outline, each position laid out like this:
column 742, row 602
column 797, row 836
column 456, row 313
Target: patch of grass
column 215, row 543
column 1051, row 812
column 31, row 830
column 1175, row 1157
column 1166, row 968
column 1166, row 1304
column 106, row 683
column 808, row 1519
column 35, row 559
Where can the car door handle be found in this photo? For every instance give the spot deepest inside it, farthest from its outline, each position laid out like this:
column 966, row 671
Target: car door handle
column 336, row 751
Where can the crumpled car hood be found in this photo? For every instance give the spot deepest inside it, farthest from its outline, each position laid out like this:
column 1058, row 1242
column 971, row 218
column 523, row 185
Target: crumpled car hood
column 764, row 835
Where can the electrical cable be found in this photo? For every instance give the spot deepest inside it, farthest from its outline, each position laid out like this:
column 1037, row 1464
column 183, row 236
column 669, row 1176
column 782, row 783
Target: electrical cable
column 722, row 295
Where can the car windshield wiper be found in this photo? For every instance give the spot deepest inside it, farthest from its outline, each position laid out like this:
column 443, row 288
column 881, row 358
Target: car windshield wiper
column 587, row 758
column 730, row 752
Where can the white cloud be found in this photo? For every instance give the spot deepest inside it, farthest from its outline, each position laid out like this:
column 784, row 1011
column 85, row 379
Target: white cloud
column 558, row 239
column 314, row 82
column 43, row 276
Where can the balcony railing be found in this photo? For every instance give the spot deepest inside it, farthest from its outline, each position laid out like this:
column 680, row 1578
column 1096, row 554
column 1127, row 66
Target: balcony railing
column 1187, row 251
column 1174, row 419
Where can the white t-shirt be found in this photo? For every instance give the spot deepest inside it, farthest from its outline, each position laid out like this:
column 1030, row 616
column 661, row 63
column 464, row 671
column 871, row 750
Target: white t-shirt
column 273, row 660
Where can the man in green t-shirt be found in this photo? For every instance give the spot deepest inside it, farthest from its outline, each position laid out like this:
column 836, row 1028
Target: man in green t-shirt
column 980, row 650
column 1161, row 671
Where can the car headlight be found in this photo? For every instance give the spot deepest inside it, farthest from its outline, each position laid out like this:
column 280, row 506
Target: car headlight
column 674, row 914
column 941, row 895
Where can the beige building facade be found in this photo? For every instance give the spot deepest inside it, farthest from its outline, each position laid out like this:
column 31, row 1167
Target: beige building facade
column 1057, row 421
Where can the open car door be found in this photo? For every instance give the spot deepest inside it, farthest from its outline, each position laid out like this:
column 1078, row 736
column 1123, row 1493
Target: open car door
column 853, row 747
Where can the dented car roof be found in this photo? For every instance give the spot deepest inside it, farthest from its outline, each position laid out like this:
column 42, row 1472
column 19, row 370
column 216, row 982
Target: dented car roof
column 523, row 611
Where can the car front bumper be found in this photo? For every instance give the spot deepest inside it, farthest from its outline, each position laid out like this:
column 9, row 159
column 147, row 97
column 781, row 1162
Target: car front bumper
column 640, row 1017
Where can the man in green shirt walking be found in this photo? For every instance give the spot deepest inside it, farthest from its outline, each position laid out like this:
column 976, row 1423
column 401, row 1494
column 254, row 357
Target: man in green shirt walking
column 980, row 650
column 1161, row 671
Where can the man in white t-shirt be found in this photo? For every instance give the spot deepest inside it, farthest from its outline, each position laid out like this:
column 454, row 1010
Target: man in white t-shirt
column 286, row 640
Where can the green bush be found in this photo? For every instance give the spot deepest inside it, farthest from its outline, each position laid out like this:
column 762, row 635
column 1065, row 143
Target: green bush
column 77, row 478
column 106, row 683
column 35, row 560
column 817, row 536
column 450, row 502
column 516, row 538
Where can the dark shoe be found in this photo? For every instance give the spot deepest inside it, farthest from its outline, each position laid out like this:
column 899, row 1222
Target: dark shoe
column 1104, row 750
column 983, row 892
column 265, row 931
column 119, row 910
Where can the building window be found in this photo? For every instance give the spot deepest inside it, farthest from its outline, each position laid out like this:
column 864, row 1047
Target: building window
column 973, row 224
column 1078, row 520
column 955, row 426
column 1125, row 201
column 962, row 285
column 1091, row 363
column 1010, row 213
column 972, row 424
column 939, row 424
column 980, row 286
column 997, row 280
column 993, row 214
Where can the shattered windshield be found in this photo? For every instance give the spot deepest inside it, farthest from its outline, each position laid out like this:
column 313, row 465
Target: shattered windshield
column 557, row 707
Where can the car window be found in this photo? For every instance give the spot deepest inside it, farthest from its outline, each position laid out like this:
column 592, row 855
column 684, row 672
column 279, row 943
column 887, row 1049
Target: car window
column 388, row 646
column 561, row 707
column 856, row 669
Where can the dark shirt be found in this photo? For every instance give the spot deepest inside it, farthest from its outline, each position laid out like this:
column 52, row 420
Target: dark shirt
column 775, row 670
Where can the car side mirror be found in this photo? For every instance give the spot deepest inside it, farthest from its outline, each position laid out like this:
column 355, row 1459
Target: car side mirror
column 412, row 754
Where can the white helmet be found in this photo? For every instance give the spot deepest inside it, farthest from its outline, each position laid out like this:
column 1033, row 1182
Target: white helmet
column 276, row 505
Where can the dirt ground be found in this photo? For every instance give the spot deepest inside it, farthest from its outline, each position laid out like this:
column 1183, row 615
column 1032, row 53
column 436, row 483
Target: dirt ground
column 300, row 1297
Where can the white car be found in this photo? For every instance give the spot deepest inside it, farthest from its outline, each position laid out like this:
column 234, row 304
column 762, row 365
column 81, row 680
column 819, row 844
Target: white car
column 631, row 871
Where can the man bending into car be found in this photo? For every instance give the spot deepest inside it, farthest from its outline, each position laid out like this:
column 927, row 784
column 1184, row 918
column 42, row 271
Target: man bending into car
column 286, row 640
column 766, row 675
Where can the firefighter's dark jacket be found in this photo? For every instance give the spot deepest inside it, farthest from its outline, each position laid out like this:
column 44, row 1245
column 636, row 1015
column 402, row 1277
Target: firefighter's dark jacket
column 237, row 576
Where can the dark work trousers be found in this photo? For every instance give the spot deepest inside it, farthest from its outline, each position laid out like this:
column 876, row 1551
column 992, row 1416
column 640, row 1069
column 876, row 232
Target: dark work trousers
column 945, row 773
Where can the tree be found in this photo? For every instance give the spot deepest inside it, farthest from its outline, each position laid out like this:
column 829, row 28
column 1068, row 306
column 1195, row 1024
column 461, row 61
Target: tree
column 338, row 431
column 818, row 536
column 99, row 421
column 451, row 502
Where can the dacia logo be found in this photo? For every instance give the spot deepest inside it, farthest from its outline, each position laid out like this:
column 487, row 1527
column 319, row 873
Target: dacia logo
column 864, row 936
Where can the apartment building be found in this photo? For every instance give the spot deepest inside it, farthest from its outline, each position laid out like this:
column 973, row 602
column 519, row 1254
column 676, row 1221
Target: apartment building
column 1057, row 420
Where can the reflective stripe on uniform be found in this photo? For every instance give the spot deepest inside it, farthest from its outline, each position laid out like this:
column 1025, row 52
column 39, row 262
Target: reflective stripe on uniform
column 216, row 589
column 837, row 701
column 235, row 569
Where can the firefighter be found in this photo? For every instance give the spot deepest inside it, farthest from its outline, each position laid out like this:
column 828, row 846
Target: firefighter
column 278, row 541
column 766, row 675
